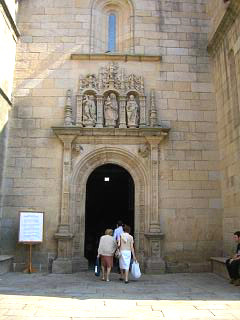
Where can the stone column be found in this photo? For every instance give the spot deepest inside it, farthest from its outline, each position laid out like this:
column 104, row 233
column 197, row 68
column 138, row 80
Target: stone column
column 153, row 111
column 99, row 123
column 143, row 120
column 63, row 263
column 154, row 263
column 122, row 112
column 68, row 110
column 79, row 119
column 154, row 172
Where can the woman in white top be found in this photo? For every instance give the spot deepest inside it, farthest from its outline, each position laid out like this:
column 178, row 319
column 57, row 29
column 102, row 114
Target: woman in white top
column 126, row 248
column 106, row 249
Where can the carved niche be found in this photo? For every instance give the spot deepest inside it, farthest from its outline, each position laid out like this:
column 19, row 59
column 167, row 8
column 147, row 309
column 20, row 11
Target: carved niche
column 111, row 99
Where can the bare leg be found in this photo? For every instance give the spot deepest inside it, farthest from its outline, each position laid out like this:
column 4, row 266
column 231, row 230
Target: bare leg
column 108, row 273
column 126, row 275
column 103, row 272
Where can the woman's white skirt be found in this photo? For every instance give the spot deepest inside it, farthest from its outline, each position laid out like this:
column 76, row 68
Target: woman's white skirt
column 124, row 260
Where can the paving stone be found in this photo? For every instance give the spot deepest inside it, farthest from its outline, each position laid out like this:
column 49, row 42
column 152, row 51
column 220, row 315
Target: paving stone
column 175, row 296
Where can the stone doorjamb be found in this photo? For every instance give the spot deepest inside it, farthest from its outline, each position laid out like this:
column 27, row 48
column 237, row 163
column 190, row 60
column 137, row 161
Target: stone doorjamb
column 82, row 170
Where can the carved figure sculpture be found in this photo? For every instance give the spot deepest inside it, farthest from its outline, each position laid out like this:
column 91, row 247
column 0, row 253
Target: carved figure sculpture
column 144, row 150
column 89, row 111
column 111, row 111
column 132, row 112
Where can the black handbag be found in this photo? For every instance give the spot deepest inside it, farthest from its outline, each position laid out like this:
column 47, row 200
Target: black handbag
column 97, row 268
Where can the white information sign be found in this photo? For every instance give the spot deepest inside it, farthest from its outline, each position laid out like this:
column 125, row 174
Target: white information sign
column 31, row 227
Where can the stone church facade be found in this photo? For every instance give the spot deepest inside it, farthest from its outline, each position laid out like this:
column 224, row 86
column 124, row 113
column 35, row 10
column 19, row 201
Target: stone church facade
column 149, row 86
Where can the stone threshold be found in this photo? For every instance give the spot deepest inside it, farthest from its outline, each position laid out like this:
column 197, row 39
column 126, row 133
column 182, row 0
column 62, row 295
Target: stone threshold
column 116, row 57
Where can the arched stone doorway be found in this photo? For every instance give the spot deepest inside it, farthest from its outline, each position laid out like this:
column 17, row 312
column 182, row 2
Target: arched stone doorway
column 109, row 198
column 83, row 169
column 84, row 150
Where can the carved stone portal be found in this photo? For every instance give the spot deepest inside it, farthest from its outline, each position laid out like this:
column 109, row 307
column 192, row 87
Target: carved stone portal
column 84, row 150
column 105, row 101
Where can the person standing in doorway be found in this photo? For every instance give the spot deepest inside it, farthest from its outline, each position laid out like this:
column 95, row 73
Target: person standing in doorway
column 116, row 235
column 126, row 248
column 118, row 231
column 233, row 264
column 106, row 249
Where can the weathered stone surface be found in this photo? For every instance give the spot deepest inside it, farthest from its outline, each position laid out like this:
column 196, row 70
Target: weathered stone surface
column 180, row 178
column 6, row 264
column 224, row 37
column 62, row 266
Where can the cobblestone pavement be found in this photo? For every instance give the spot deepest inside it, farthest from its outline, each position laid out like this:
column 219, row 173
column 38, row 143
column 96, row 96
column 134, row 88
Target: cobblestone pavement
column 84, row 296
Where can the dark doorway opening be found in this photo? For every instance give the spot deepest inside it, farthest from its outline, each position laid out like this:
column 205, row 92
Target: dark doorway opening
column 109, row 198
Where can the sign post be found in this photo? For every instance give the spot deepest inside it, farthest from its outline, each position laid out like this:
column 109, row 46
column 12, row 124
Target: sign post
column 30, row 232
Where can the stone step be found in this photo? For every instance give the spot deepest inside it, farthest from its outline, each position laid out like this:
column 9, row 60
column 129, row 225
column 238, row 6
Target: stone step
column 6, row 263
column 219, row 267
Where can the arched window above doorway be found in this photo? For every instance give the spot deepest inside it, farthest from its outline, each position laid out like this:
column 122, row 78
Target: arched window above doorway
column 112, row 32
column 112, row 26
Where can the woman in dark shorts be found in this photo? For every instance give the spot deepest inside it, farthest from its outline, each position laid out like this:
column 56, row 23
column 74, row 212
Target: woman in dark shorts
column 106, row 249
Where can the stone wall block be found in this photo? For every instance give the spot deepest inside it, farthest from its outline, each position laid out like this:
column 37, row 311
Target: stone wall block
column 198, row 175
column 190, row 115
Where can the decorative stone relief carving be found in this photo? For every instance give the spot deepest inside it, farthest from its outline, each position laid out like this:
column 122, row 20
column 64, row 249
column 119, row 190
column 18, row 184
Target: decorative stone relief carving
column 155, row 248
column 68, row 110
column 153, row 111
column 111, row 99
column 144, row 150
column 132, row 112
column 111, row 110
column 77, row 147
column 135, row 83
column 89, row 111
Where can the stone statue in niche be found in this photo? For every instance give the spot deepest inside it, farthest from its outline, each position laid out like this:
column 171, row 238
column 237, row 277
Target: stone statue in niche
column 115, row 82
column 111, row 111
column 89, row 111
column 132, row 112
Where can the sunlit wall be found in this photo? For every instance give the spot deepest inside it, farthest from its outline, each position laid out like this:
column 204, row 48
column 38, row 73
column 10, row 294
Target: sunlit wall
column 8, row 39
column 224, row 47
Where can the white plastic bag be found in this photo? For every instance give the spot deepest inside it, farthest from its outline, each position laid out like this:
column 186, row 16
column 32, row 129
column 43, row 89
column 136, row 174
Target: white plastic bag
column 135, row 270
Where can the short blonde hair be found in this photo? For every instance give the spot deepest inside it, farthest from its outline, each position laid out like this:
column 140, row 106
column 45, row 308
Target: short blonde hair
column 109, row 232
